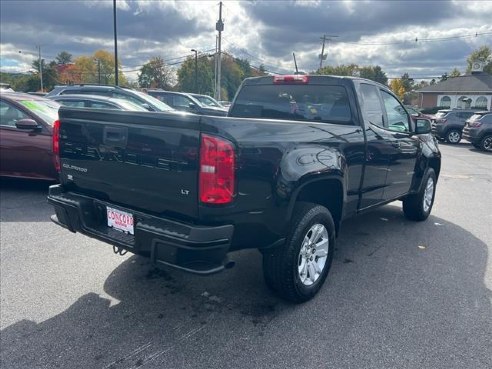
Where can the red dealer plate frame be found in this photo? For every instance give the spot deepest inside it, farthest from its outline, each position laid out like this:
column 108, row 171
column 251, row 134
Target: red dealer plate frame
column 120, row 220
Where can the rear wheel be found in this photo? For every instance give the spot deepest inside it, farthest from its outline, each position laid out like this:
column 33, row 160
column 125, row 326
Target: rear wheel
column 418, row 206
column 486, row 143
column 297, row 270
column 453, row 136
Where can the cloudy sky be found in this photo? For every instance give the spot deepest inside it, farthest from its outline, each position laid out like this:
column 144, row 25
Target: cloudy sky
column 264, row 32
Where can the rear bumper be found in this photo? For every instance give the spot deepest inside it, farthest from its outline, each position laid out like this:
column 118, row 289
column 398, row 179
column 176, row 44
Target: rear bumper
column 196, row 249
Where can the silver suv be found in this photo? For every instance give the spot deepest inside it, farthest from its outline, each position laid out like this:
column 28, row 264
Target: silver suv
column 448, row 124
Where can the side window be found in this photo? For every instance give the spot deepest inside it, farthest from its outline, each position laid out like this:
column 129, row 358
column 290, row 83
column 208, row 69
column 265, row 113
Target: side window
column 398, row 119
column 181, row 101
column 487, row 118
column 9, row 114
column 371, row 105
column 74, row 103
column 127, row 98
column 101, row 105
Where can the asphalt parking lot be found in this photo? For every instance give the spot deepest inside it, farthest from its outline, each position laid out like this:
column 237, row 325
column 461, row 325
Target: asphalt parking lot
column 400, row 294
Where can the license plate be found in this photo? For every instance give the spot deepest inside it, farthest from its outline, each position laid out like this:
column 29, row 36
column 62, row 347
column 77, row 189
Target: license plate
column 120, row 220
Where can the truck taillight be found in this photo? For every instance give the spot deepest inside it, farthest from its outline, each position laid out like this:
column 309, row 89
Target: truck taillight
column 287, row 79
column 56, row 145
column 217, row 170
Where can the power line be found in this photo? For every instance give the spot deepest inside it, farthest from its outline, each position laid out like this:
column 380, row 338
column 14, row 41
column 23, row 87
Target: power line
column 415, row 40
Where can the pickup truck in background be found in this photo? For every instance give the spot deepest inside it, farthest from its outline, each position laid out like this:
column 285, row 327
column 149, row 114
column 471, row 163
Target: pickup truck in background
column 295, row 157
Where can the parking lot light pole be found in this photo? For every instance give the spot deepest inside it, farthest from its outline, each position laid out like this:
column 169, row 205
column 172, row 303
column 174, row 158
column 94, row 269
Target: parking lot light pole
column 196, row 69
column 115, row 46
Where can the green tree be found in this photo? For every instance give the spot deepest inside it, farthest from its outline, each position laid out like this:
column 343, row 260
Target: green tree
column 408, row 83
column 64, row 58
column 49, row 73
column 156, row 74
column 374, row 73
column 340, row 70
column 454, row 73
column 205, row 75
column 483, row 55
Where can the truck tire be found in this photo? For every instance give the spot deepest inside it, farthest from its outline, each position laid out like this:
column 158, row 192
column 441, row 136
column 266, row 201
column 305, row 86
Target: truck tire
column 418, row 206
column 453, row 136
column 486, row 143
column 297, row 270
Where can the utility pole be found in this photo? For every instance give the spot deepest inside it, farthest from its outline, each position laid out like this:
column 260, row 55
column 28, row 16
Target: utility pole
column 219, row 26
column 196, row 69
column 322, row 56
column 115, row 46
column 99, row 70
column 40, row 67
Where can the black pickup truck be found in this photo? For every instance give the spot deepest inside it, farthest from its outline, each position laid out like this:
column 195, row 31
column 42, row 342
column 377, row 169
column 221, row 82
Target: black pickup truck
column 295, row 157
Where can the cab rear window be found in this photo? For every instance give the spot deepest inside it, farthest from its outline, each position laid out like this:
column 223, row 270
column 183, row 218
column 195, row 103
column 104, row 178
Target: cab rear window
column 321, row 103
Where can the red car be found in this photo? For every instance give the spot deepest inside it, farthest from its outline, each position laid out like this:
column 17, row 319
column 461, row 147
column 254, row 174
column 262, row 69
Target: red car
column 26, row 125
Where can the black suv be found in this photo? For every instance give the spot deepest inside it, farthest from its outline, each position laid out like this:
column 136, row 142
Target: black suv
column 478, row 130
column 186, row 102
column 136, row 97
column 448, row 124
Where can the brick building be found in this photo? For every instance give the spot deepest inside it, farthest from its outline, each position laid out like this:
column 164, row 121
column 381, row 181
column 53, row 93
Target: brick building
column 469, row 91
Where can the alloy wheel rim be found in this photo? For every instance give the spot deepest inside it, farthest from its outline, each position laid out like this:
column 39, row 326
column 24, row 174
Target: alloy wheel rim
column 428, row 194
column 313, row 254
column 487, row 144
column 454, row 137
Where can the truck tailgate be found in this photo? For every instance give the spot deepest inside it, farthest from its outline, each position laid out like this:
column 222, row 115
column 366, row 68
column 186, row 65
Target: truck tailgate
column 140, row 160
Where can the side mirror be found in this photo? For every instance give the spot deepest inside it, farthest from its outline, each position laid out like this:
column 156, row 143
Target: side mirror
column 422, row 126
column 192, row 107
column 27, row 124
column 147, row 106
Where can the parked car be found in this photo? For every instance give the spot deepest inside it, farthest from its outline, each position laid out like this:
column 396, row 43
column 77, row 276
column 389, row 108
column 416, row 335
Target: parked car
column 185, row 102
column 448, row 124
column 5, row 87
column 226, row 104
column 280, row 174
column 415, row 112
column 26, row 126
column 208, row 101
column 97, row 102
column 136, row 97
column 478, row 130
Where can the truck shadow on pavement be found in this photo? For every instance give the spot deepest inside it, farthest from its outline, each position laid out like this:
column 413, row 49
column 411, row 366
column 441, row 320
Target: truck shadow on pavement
column 403, row 294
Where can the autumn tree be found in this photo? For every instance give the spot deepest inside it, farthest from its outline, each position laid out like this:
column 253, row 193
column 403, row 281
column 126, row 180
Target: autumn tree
column 156, row 74
column 483, row 55
column 97, row 68
column 398, row 87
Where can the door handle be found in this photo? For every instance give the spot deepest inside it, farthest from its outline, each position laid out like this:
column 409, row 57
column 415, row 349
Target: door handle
column 115, row 136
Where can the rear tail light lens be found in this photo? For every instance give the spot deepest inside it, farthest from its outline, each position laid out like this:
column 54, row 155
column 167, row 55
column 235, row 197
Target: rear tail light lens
column 217, row 170
column 296, row 78
column 475, row 123
column 56, row 145
column 442, row 120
